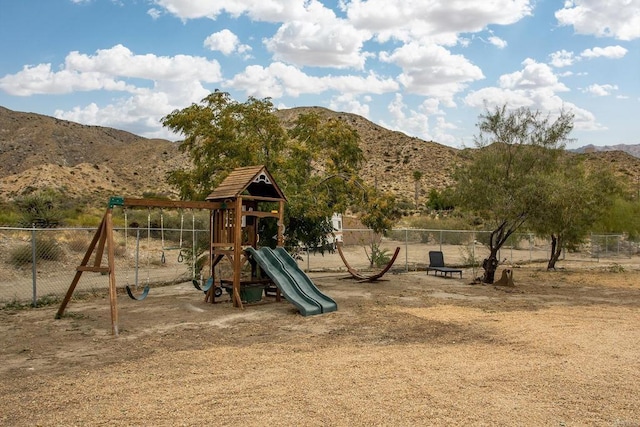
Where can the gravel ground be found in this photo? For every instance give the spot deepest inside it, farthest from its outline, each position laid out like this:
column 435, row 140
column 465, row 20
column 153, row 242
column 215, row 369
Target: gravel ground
column 559, row 348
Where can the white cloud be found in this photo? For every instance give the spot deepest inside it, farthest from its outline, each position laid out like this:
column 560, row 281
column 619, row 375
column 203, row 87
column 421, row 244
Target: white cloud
column 350, row 104
column 600, row 90
column 226, row 42
column 438, row 22
column 612, row 52
column 40, row 79
column 534, row 75
column 498, row 42
column 258, row 10
column 140, row 113
column 274, row 81
column 432, row 70
column 156, row 84
column 154, row 13
column 108, row 69
column 403, row 119
column 279, row 79
column 319, row 39
column 120, row 61
column 612, row 18
column 562, row 58
column 416, row 123
column 534, row 87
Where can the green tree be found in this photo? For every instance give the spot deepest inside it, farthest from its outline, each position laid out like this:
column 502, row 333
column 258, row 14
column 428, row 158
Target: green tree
column 440, row 200
column 221, row 134
column 623, row 216
column 316, row 162
column 501, row 185
column 574, row 201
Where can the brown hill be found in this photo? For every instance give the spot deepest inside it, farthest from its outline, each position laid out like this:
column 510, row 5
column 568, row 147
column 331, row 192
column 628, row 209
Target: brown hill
column 391, row 157
column 38, row 151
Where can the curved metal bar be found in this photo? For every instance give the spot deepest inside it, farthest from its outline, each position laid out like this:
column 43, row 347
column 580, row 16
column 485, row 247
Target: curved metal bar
column 142, row 296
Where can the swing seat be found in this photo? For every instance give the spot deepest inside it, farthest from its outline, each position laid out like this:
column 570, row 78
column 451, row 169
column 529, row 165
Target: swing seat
column 207, row 286
column 142, row 296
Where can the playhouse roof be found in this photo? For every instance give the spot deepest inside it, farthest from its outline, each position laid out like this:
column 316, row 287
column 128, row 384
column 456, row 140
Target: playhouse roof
column 250, row 180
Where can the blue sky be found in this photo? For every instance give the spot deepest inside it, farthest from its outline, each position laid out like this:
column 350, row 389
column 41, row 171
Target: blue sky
column 427, row 68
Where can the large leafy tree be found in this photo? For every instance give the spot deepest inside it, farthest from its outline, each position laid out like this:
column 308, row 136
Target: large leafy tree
column 623, row 216
column 316, row 161
column 221, row 134
column 575, row 199
column 516, row 148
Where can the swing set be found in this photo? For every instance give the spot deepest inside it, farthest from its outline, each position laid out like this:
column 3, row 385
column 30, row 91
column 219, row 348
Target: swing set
column 234, row 212
column 164, row 248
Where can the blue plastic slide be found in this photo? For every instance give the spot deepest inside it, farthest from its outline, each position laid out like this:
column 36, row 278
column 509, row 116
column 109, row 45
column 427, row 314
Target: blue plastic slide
column 294, row 284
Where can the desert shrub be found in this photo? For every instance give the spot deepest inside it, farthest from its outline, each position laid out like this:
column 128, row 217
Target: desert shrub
column 43, row 301
column 41, row 209
column 84, row 219
column 451, row 222
column 78, row 243
column 469, row 259
column 47, row 249
column 377, row 256
column 8, row 216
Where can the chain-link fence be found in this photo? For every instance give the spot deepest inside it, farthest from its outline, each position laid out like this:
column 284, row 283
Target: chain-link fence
column 366, row 251
column 39, row 264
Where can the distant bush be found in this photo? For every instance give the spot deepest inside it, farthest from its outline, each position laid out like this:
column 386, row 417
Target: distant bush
column 46, row 249
column 9, row 216
column 40, row 209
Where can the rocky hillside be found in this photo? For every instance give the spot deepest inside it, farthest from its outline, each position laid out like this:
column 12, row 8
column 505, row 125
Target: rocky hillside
column 95, row 162
column 632, row 149
column 39, row 151
column 392, row 157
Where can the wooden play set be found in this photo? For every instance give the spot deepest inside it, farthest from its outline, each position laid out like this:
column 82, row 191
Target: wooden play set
column 235, row 210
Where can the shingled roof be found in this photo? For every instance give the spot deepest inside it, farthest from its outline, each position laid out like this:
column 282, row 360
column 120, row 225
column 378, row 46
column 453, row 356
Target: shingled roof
column 250, row 180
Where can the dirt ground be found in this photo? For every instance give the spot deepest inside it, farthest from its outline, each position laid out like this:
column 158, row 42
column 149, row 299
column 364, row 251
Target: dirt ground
column 560, row 348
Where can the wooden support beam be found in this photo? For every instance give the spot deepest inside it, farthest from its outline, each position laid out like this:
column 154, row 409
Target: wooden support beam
column 83, row 263
column 92, row 269
column 237, row 253
column 176, row 204
column 113, row 295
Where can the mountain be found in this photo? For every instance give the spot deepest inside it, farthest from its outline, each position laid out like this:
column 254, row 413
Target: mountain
column 38, row 151
column 632, row 149
column 95, row 162
column 392, row 157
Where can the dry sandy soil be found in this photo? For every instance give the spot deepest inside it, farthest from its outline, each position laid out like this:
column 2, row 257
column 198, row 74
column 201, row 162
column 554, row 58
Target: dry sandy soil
column 559, row 348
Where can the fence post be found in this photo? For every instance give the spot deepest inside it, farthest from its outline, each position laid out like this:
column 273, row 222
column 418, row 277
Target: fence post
column 406, row 250
column 34, row 269
column 473, row 254
column 441, row 240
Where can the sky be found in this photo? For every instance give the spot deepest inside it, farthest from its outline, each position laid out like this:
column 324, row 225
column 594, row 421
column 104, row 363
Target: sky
column 428, row 68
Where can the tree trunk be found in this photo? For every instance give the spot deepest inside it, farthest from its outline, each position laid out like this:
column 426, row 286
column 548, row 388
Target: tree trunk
column 490, row 265
column 556, row 250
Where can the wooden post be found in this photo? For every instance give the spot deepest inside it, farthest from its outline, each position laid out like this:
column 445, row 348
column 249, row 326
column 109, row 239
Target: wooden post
column 81, row 268
column 113, row 295
column 237, row 252
column 281, row 223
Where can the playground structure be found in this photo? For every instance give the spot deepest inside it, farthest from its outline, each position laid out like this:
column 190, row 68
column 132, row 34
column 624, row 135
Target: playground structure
column 234, row 212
